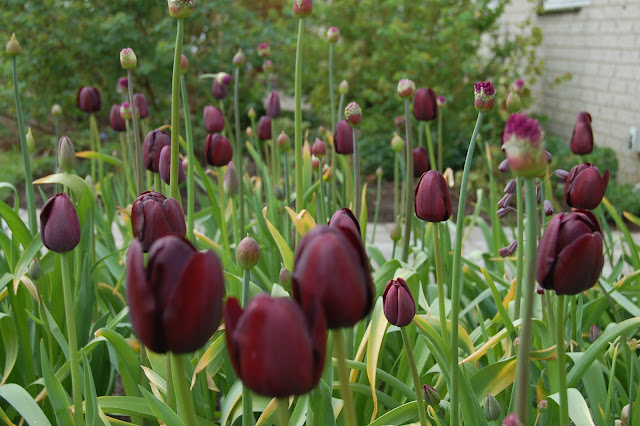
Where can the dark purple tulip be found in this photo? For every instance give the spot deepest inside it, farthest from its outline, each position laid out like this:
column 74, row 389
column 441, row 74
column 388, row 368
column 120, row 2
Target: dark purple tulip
column 425, row 107
column 264, row 128
column 432, row 197
column 582, row 136
column 276, row 348
column 343, row 138
column 570, row 256
column 151, row 148
column 153, row 216
column 398, row 304
column 218, row 90
column 420, row 161
column 164, row 166
column 345, row 220
column 273, row 105
column 213, row 119
column 331, row 267
column 59, row 224
column 116, row 121
column 142, row 107
column 176, row 301
column 89, row 99
column 585, row 187
column 218, row 150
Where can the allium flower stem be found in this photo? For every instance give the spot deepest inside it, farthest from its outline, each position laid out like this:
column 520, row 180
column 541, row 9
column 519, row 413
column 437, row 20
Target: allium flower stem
column 247, row 401
column 74, row 359
column 186, row 409
column 520, row 247
column 440, row 281
column 238, row 150
column 175, row 113
column 190, row 161
column 432, row 156
column 456, row 281
column 287, row 194
column 417, row 386
column 136, row 139
column 340, row 108
column 274, row 154
column 222, row 202
column 356, row 175
column 283, row 411
column 28, row 176
column 125, row 162
column 408, row 195
column 528, row 288
column 321, row 209
column 562, row 366
column 396, row 185
column 440, row 165
column 376, row 214
column 92, row 143
column 332, row 96
column 348, row 411
column 298, row 118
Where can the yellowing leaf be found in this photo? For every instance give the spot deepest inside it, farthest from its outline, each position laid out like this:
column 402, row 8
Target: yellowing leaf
column 302, row 221
column 285, row 250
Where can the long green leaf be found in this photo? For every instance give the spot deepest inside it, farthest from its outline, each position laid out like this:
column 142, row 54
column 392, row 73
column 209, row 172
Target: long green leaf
column 17, row 226
column 57, row 395
column 24, row 404
column 161, row 410
column 578, row 409
column 378, row 328
column 9, row 343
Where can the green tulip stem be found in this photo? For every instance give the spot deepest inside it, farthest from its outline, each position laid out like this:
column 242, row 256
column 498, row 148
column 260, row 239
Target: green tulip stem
column 522, row 368
column 95, row 137
column 74, row 359
column 171, row 395
column 157, row 182
column 175, row 113
column 440, row 281
column 332, row 96
column 417, row 387
column 440, row 165
column 136, row 138
column 298, row 119
column 343, row 373
column 28, row 176
column 408, row 195
column 562, row 366
column 396, row 185
column 57, row 119
column 377, row 212
column 186, row 409
column 190, row 161
column 356, row 175
column 247, row 402
column 267, row 77
column 519, row 248
column 275, row 179
column 432, row 155
column 321, row 209
column 238, row 141
column 456, row 281
column 283, row 411
column 287, row 194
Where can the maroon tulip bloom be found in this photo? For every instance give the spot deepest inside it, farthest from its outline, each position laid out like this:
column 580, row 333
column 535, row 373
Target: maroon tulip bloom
column 420, row 161
column 570, row 256
column 398, row 304
column 59, row 224
column 264, row 128
column 432, row 198
column 152, row 147
column 141, row 104
column 213, row 119
column 153, row 216
column 585, row 187
column 344, row 219
column 176, row 301
column 343, row 138
column 273, row 105
column 290, row 346
column 164, row 166
column 331, row 267
column 582, row 136
column 425, row 106
column 218, row 90
column 217, row 150
column 89, row 99
column 116, row 121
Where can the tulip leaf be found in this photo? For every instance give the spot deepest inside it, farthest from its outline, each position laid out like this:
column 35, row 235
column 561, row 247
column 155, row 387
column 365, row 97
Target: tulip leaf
column 378, row 328
column 494, row 378
column 209, row 355
column 594, row 386
column 124, row 359
column 160, row 409
column 285, row 250
column 99, row 156
column 627, row 235
column 302, row 221
column 9, row 337
column 386, row 272
column 464, row 341
column 91, row 402
column 24, row 404
column 57, row 395
column 400, row 415
column 578, row 409
column 155, row 380
column 18, row 229
column 504, row 316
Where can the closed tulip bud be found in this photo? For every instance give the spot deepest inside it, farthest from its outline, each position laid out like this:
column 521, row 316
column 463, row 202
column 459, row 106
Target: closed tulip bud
column 562, row 174
column 219, row 91
column 184, row 65
column 505, row 200
column 180, row 9
column 503, row 167
column 397, row 143
column 485, row 95
column 89, row 99
column 152, row 147
column 346, row 221
column 218, row 150
column 518, row 86
column 398, row 304
column 264, row 128
column 584, row 187
column 128, row 58
column 34, row 270
column 432, row 198
column 59, row 224
column 213, row 119
column 291, row 343
column 284, row 143
column 175, row 303
column 56, row 110
column 406, row 88
column 353, row 114
column 264, row 50
column 125, row 111
column 302, row 8
column 66, row 154
column 31, row 142
column 508, row 250
column 164, row 167
column 231, row 182
column 510, row 187
column 524, row 145
column 13, row 47
column 513, row 102
column 333, row 34
column 425, row 105
column 142, row 107
column 548, row 208
column 594, row 333
column 319, row 149
column 570, row 256
column 441, row 101
column 343, row 87
column 582, row 136
column 273, row 105
column 511, row 420
column 153, row 216
column 238, row 58
column 399, row 122
column 116, row 121
column 247, row 253
column 420, row 161
column 396, row 232
column 492, row 410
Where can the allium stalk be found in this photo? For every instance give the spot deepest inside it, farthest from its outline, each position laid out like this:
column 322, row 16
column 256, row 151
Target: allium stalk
column 136, row 138
column 174, row 192
column 408, row 186
column 520, row 247
column 562, row 366
column 356, row 175
column 191, row 158
column 238, row 141
column 298, row 118
column 332, row 98
column 377, row 212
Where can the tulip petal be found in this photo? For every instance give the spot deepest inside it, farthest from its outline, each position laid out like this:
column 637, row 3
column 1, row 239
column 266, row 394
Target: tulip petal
column 579, row 265
column 232, row 314
column 547, row 251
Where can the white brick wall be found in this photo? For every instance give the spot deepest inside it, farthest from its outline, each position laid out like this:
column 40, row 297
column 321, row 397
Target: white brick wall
column 600, row 45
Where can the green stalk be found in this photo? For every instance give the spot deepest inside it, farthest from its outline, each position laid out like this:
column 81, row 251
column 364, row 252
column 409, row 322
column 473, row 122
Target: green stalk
column 519, row 248
column 375, row 217
column 97, row 145
column 522, row 367
column 440, row 165
column 440, row 281
column 408, row 195
column 186, row 409
column 247, row 402
column 340, row 108
column 574, row 324
column 171, row 395
column 348, row 411
column 396, row 186
column 191, row 187
column 236, row 112
column 74, row 359
column 432, row 156
column 562, row 367
column 456, row 281
column 175, row 116
column 267, row 77
column 332, row 97
column 136, row 137
column 287, row 195
column 125, row 162
column 356, row 175
column 24, row 339
column 274, row 154
column 223, row 205
column 283, row 411
column 321, row 210
column 28, row 176
column 416, row 377
column 298, row 118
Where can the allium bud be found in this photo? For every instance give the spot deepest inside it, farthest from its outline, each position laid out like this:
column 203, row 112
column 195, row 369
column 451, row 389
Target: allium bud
column 333, row 34
column 181, row 9
column 491, row 407
column 223, row 78
column 238, row 58
column 524, row 145
column 406, row 88
column 247, row 253
column 285, row 277
column 511, row 420
column 343, row 138
column 56, row 110
column 218, row 151
column 315, row 163
column 319, row 149
column 125, row 111
column 353, row 114
column 31, row 142
column 485, row 95
column 267, row 66
column 508, row 250
column 343, row 87
column 184, row 65
column 425, row 106
column 548, row 208
column 264, row 128
column 432, row 198
column 142, row 107
column 503, row 167
column 379, row 172
column 518, row 86
column 249, row 131
column 264, row 50
column 213, row 119
column 251, row 113
column 231, row 183
column 584, row 187
column 399, row 122
column 396, row 232
column 273, row 105
column 128, row 58
column 582, row 136
column 398, row 304
column 164, row 167
column 431, row 396
column 13, row 47
column 59, row 224
column 562, row 174
column 284, row 143
column 513, row 102
column 420, row 161
column 89, row 99
column 594, row 333
column 302, row 8
column 152, row 147
column 66, row 154
column 441, row 101
column 397, row 143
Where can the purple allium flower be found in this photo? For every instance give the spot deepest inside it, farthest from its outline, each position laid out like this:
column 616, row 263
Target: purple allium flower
column 441, row 101
column 184, row 65
column 524, row 145
column 302, row 8
column 343, row 88
column 238, row 58
column 353, row 114
column 511, row 420
column 518, row 86
column 128, row 58
column 406, row 88
column 264, row 50
column 485, row 95
column 123, row 85
column 513, row 102
column 333, row 34
column 399, row 121
column 319, row 149
column 180, row 9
